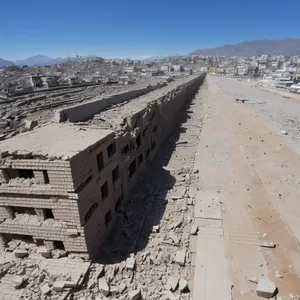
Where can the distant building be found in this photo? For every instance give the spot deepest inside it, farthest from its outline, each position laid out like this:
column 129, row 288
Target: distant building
column 230, row 71
column 177, row 68
column 242, row 71
column 50, row 81
column 125, row 80
column 220, row 70
column 203, row 69
column 35, row 81
column 129, row 70
column 165, row 69
column 17, row 88
column 72, row 80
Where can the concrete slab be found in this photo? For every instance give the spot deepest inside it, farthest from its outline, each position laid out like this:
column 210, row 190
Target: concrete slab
column 207, row 205
column 211, row 280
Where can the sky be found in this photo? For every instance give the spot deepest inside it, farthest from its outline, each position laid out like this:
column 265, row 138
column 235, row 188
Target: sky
column 137, row 29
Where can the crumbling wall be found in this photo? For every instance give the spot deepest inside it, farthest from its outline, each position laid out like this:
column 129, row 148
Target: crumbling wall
column 74, row 200
column 135, row 145
column 85, row 111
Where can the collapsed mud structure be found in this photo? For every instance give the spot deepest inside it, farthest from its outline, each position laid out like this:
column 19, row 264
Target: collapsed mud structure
column 63, row 184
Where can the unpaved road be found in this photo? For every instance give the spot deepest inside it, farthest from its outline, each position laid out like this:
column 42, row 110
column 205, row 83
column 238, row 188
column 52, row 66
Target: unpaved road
column 254, row 172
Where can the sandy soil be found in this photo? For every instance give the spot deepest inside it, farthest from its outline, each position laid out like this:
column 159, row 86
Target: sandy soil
column 256, row 172
column 276, row 109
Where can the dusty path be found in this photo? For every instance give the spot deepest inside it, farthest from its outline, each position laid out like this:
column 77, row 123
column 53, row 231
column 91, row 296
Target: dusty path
column 254, row 177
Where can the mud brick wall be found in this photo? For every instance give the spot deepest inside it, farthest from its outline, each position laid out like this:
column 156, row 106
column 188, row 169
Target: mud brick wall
column 75, row 201
column 87, row 110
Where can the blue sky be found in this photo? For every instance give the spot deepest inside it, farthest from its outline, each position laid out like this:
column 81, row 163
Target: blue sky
column 130, row 28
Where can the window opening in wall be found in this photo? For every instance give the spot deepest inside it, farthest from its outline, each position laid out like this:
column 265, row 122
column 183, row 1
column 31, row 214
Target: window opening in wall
column 140, row 159
column 138, row 141
column 64, row 117
column 46, row 177
column 104, row 190
column 14, row 173
column 84, row 184
column 40, row 242
column 132, row 168
column 148, row 152
column 90, row 212
column 144, row 132
column 111, row 149
column 26, row 173
column 125, row 149
column 118, row 204
column 108, row 218
column 153, row 115
column 153, row 144
column 100, row 161
column 59, row 245
column 25, row 238
column 22, row 210
column 49, row 213
column 115, row 174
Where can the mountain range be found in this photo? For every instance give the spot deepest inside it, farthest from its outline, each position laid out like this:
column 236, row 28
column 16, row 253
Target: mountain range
column 4, row 63
column 285, row 47
column 38, row 60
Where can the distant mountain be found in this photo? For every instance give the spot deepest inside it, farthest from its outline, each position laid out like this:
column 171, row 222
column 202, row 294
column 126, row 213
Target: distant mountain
column 251, row 48
column 4, row 63
column 38, row 60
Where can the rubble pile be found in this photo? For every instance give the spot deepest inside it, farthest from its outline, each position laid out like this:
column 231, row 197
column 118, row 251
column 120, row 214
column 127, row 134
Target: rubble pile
column 22, row 114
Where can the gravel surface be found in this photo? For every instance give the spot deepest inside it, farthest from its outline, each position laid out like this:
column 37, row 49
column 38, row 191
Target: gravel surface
column 275, row 111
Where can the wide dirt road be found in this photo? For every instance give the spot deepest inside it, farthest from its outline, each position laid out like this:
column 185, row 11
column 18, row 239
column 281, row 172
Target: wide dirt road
column 249, row 194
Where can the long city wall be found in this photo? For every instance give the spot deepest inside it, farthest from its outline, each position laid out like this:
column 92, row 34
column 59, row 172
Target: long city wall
column 77, row 194
column 84, row 111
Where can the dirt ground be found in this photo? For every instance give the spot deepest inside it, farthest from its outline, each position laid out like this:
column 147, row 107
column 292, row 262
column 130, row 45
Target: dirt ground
column 255, row 171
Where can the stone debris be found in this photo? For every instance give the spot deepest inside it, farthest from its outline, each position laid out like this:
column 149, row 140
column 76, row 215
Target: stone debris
column 183, row 285
column 130, row 262
column 176, row 224
column 265, row 288
column 103, row 286
column 45, row 252
column 267, row 245
column 17, row 281
column 155, row 228
column 283, row 132
column 188, row 179
column 45, row 289
column 58, row 286
column 122, row 288
column 20, row 253
column 173, row 283
column 278, row 275
column 194, row 229
column 134, row 295
column 190, row 201
column 144, row 255
column 185, row 170
column 252, row 279
column 174, row 238
column 180, row 258
column 30, row 124
column 58, row 253
column 179, row 193
column 170, row 296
